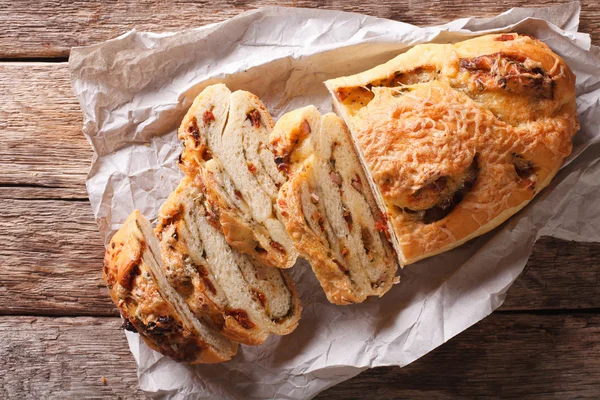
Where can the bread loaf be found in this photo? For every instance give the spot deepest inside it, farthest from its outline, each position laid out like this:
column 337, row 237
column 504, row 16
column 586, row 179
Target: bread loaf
column 459, row 137
column 442, row 144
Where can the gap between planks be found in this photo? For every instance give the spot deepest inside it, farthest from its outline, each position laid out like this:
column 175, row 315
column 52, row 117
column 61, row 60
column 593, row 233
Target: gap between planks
column 539, row 312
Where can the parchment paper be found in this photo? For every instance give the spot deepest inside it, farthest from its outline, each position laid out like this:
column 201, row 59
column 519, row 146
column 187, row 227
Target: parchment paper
column 135, row 89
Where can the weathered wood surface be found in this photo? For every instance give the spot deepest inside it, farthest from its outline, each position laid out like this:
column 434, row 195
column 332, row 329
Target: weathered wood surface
column 558, row 275
column 41, row 143
column 51, row 260
column 520, row 356
column 523, row 356
column 54, row 251
column 65, row 358
column 48, row 29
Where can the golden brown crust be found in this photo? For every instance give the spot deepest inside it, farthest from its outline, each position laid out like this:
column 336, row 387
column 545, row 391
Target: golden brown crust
column 133, row 290
column 293, row 140
column 460, row 137
column 199, row 287
column 208, row 112
column 289, row 322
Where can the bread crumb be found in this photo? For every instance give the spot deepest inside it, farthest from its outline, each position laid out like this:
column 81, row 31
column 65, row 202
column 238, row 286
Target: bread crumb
column 103, row 380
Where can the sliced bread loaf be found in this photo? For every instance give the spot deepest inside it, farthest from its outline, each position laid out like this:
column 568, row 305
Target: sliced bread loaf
column 329, row 209
column 150, row 306
column 225, row 138
column 243, row 298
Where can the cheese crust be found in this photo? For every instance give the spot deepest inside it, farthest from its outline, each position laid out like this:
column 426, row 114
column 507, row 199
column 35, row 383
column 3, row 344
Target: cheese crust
column 459, row 137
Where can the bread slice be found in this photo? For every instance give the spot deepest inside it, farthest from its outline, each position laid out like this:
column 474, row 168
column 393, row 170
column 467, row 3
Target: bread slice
column 150, row 306
column 329, row 209
column 459, row 137
column 225, row 138
column 243, row 298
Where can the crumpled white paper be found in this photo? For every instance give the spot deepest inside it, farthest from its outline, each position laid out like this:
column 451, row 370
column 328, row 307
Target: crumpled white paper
column 135, row 89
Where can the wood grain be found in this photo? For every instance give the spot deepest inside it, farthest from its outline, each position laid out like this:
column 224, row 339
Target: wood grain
column 50, row 28
column 41, row 144
column 52, row 257
column 558, row 275
column 523, row 356
column 65, row 358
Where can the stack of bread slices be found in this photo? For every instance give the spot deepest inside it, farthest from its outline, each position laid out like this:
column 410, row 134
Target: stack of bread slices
column 209, row 276
column 437, row 146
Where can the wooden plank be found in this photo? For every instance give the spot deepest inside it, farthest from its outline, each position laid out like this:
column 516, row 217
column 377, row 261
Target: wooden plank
column 41, row 147
column 50, row 28
column 558, row 275
column 60, row 358
column 41, row 144
column 524, row 356
column 54, row 254
column 521, row 356
column 19, row 192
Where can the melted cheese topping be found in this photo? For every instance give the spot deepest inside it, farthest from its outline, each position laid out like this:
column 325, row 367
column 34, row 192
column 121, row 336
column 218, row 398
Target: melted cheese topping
column 456, row 154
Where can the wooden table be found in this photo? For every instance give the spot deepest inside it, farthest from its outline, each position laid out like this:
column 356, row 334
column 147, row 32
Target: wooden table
column 59, row 332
